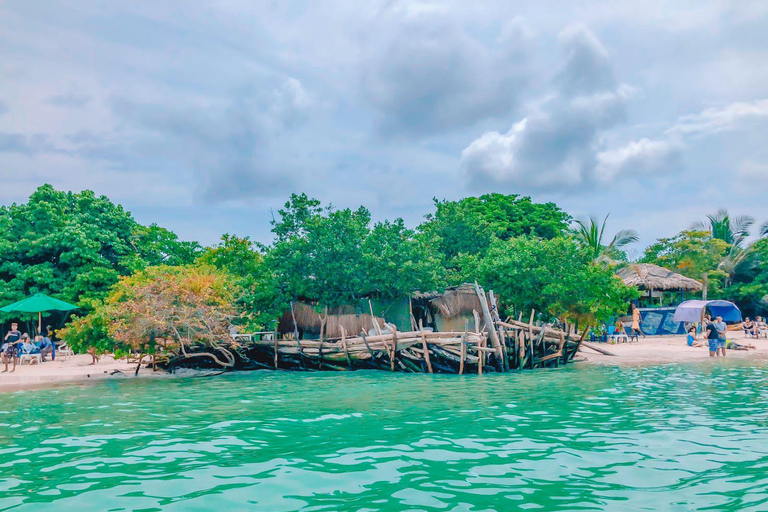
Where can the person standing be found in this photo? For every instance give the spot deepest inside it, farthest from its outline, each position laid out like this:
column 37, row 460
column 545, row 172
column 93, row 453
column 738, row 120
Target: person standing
column 721, row 329
column 713, row 337
column 10, row 351
column 636, row 322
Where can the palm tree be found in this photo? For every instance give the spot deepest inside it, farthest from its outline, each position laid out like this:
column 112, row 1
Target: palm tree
column 720, row 225
column 591, row 235
column 733, row 231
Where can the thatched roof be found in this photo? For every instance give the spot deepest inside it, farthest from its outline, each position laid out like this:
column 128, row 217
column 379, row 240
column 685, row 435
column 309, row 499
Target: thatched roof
column 654, row 277
column 456, row 300
column 308, row 320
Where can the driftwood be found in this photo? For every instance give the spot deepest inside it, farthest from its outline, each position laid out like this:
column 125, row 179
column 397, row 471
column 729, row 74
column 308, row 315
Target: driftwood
column 597, row 349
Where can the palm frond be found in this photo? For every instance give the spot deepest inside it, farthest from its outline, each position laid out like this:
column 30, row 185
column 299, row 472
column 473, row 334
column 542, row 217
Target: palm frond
column 764, row 229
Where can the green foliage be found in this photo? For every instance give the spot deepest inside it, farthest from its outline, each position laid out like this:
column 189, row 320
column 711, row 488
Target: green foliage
column 89, row 332
column 693, row 254
column 163, row 305
column 74, row 246
column 750, row 287
column 554, row 276
column 591, row 237
column 467, row 227
column 731, row 230
column 335, row 257
column 243, row 261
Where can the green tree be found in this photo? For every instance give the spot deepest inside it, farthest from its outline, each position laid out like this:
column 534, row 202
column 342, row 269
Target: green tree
column 75, row 246
column 155, row 245
column 336, row 257
column 243, row 260
column 696, row 254
column 731, row 230
column 750, row 282
column 592, row 237
column 468, row 226
column 553, row 276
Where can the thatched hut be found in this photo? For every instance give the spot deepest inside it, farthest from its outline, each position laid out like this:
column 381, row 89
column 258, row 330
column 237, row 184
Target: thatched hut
column 308, row 319
column 452, row 310
column 655, row 279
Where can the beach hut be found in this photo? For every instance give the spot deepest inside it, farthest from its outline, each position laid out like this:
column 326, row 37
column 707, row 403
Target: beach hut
column 308, row 319
column 452, row 310
column 656, row 280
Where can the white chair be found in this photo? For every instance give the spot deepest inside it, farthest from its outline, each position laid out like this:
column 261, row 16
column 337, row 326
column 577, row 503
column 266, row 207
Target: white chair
column 37, row 358
column 64, row 352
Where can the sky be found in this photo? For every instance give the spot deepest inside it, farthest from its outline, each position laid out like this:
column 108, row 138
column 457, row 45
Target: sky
column 205, row 116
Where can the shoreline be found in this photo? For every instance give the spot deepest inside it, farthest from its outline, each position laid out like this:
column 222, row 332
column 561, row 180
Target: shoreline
column 74, row 371
column 656, row 350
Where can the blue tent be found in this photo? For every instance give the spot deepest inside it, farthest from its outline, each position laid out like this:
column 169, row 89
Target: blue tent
column 691, row 310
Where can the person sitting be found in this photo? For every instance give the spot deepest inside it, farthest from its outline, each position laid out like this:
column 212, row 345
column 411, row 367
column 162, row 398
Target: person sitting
column 26, row 345
column 732, row 345
column 749, row 327
column 691, row 339
column 761, row 327
column 45, row 345
column 618, row 332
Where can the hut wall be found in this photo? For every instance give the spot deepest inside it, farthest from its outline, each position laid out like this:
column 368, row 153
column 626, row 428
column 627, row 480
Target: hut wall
column 308, row 321
column 458, row 323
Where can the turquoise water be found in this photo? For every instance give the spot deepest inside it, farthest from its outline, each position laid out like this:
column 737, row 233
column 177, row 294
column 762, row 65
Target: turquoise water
column 579, row 438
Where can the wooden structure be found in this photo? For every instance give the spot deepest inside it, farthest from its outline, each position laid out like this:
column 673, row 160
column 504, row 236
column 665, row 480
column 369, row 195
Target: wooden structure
column 489, row 344
column 654, row 280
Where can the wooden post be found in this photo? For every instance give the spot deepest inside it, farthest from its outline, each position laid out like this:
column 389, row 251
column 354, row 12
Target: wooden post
column 496, row 319
column 463, row 353
column 373, row 318
column 491, row 330
column 481, row 356
column 394, row 348
column 344, row 344
column 413, row 318
column 275, row 343
column 426, row 352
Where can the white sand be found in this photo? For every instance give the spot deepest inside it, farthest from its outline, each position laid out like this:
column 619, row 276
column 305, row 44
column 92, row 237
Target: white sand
column 671, row 349
column 650, row 350
column 75, row 370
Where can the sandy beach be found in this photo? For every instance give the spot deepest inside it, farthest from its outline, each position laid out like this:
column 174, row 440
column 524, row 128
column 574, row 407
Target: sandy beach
column 670, row 349
column 74, row 370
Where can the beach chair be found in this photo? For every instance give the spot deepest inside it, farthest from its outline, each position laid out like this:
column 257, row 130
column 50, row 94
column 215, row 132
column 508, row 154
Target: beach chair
column 37, row 357
column 64, row 352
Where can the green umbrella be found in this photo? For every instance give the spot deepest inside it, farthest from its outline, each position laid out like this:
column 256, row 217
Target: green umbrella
column 37, row 304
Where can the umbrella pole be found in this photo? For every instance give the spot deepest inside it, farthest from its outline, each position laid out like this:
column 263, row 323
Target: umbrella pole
column 39, row 322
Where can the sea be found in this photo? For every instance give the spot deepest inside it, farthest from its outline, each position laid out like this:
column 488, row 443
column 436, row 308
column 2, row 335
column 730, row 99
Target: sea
column 583, row 437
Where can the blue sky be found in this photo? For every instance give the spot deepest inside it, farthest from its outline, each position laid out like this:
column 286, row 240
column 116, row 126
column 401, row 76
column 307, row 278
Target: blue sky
column 204, row 116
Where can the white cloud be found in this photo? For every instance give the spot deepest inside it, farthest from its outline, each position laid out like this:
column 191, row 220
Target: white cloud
column 714, row 120
column 553, row 147
column 642, row 157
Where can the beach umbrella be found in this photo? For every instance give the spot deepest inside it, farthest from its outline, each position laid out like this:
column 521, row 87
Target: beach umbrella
column 37, row 304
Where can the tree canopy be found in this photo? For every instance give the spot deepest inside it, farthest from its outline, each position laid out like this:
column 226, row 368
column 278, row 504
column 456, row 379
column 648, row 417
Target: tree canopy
column 74, row 246
column 553, row 276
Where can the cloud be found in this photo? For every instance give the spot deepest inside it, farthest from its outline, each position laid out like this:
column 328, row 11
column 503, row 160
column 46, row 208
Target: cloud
column 554, row 146
column 69, row 99
column 26, row 145
column 225, row 145
column 424, row 73
column 714, row 120
column 752, row 173
column 638, row 158
column 3, row 108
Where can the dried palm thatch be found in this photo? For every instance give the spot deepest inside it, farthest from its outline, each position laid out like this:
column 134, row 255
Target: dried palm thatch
column 457, row 301
column 308, row 321
column 653, row 277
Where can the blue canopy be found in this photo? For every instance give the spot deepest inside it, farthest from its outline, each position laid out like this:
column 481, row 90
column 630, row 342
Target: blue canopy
column 691, row 310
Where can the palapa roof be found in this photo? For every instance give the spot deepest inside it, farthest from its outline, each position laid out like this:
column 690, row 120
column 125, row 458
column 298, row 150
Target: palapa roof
column 654, row 277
